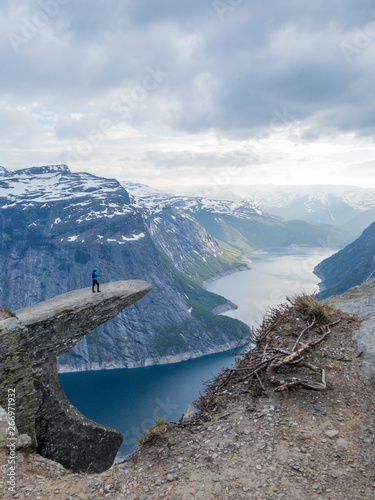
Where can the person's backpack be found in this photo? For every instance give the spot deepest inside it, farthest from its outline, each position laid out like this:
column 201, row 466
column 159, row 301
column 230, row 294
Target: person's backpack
column 93, row 275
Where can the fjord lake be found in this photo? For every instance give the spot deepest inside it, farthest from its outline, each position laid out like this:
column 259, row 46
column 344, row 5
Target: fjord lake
column 129, row 400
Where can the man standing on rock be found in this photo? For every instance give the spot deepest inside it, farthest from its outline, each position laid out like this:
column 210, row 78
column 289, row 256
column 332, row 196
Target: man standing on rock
column 95, row 281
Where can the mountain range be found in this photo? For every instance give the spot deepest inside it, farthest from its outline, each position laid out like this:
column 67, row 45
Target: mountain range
column 350, row 207
column 56, row 225
column 241, row 225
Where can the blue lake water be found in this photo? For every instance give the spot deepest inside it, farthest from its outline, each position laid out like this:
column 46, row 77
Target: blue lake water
column 274, row 276
column 129, row 400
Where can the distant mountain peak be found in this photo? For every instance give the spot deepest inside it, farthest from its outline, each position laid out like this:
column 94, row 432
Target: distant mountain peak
column 46, row 169
column 38, row 185
column 153, row 201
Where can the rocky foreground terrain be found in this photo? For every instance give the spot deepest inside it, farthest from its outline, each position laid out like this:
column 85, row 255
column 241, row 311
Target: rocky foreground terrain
column 294, row 418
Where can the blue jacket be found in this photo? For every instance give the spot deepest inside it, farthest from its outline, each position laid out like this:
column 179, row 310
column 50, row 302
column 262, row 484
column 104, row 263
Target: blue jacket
column 95, row 275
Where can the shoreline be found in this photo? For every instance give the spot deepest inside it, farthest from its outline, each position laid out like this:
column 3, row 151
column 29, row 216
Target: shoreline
column 227, row 306
column 165, row 360
column 320, row 275
column 243, row 267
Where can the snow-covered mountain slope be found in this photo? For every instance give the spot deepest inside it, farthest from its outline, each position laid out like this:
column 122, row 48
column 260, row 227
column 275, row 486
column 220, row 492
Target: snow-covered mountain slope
column 53, row 183
column 153, row 201
column 360, row 199
column 319, row 204
column 345, row 206
column 240, row 224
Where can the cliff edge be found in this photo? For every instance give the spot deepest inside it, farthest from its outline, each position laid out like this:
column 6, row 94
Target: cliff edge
column 30, row 340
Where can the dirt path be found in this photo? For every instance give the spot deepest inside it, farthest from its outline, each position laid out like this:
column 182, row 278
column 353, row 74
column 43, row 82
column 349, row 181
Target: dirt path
column 247, row 443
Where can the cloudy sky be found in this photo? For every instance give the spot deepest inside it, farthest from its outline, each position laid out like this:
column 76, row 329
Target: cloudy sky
column 184, row 92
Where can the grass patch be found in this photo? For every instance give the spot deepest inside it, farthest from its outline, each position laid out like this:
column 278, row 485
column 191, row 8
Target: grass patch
column 153, row 432
column 312, row 306
column 200, row 269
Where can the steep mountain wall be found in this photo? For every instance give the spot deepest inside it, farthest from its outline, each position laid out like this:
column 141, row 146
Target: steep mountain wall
column 349, row 267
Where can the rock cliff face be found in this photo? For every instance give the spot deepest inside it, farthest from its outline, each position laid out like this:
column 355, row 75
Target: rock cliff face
column 349, row 267
column 31, row 340
column 16, row 372
column 360, row 300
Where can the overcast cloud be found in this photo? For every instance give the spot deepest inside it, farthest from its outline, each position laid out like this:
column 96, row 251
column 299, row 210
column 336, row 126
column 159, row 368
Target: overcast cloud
column 178, row 92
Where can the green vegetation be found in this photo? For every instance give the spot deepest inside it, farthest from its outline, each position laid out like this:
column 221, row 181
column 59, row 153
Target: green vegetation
column 203, row 321
column 235, row 328
column 311, row 305
column 153, row 432
column 191, row 289
column 170, row 340
column 235, row 243
column 349, row 267
column 200, row 269
column 234, row 252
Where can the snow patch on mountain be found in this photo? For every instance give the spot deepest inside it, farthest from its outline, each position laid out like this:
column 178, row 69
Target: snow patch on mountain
column 37, row 185
column 153, row 201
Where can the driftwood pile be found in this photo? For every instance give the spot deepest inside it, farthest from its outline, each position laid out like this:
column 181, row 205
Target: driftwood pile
column 284, row 353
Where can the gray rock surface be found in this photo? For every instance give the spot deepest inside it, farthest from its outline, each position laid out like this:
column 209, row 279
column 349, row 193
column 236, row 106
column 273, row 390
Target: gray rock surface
column 41, row 333
column 361, row 300
column 75, row 314
column 16, row 376
column 9, row 434
column 3, row 426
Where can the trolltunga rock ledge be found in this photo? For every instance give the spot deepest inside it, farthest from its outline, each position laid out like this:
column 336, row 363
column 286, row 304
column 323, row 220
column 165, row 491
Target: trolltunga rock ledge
column 53, row 327
column 58, row 324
